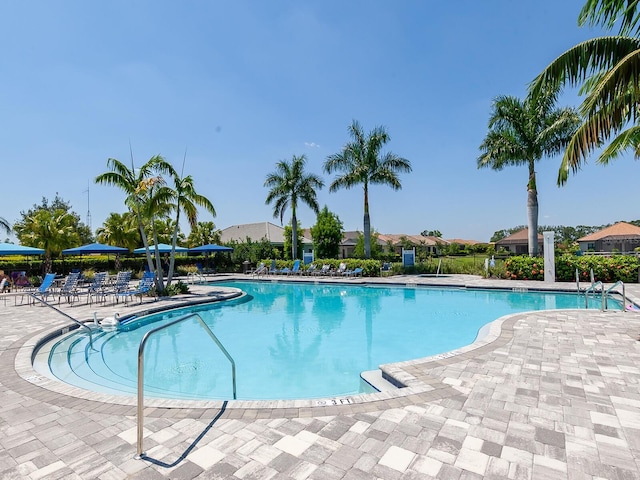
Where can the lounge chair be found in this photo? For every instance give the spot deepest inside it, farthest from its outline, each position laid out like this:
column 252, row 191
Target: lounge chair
column 293, row 270
column 97, row 289
column 355, row 272
column 4, row 284
column 386, row 268
column 342, row 268
column 43, row 291
column 69, row 289
column 145, row 286
column 325, row 270
column 311, row 270
column 120, row 285
column 260, row 270
column 273, row 269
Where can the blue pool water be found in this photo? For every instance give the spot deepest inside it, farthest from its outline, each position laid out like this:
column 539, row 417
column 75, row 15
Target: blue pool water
column 290, row 340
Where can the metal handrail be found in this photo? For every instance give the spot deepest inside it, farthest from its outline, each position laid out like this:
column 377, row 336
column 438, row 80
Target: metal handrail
column 78, row 322
column 624, row 295
column 593, row 287
column 139, row 453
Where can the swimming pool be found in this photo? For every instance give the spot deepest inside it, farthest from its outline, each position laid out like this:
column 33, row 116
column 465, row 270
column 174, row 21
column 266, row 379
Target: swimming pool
column 289, row 340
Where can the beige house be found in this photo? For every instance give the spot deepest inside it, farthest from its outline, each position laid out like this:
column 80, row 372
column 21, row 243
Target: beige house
column 258, row 231
column 518, row 242
column 621, row 237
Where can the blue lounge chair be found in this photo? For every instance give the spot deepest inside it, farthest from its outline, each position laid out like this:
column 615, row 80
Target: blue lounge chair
column 145, row 286
column 273, row 269
column 355, row 272
column 121, row 284
column 293, row 270
column 43, row 291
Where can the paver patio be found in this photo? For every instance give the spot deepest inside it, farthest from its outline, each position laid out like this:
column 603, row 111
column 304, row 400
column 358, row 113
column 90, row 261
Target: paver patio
column 548, row 395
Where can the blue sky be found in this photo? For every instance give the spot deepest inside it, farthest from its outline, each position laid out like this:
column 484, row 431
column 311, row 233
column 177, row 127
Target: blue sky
column 240, row 85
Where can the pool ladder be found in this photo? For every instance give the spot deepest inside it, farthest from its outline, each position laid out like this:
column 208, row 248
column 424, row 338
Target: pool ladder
column 140, row 454
column 604, row 294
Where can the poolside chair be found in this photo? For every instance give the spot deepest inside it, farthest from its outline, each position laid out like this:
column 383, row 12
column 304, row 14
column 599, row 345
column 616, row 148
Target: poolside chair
column 386, row 268
column 4, row 284
column 145, row 287
column 260, row 270
column 273, row 269
column 97, row 289
column 44, row 290
column 311, row 270
column 121, row 284
column 342, row 268
column 293, row 270
column 326, row 268
column 69, row 289
column 355, row 272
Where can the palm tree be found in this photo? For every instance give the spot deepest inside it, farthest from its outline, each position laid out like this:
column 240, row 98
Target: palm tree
column 184, row 198
column 608, row 69
column 5, row 225
column 138, row 185
column 51, row 231
column 361, row 162
column 119, row 230
column 289, row 183
column 521, row 133
column 203, row 233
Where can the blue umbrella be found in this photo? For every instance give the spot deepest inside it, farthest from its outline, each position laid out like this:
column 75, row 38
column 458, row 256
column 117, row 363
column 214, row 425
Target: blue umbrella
column 94, row 248
column 11, row 249
column 162, row 247
column 210, row 248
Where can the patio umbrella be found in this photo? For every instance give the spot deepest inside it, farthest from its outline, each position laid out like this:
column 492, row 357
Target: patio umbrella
column 11, row 249
column 210, row 248
column 94, row 248
column 162, row 248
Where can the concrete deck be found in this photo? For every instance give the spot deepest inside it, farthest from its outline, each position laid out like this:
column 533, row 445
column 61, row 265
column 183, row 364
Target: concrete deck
column 545, row 395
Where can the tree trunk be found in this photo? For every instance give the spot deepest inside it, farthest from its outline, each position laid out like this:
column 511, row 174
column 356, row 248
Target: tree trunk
column 532, row 213
column 367, row 224
column 294, row 236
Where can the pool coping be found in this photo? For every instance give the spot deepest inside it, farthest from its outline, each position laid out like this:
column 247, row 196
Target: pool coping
column 419, row 386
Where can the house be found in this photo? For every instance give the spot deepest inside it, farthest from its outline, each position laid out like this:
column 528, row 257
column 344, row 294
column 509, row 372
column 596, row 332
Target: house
column 621, row 237
column 428, row 245
column 518, row 242
column 257, row 231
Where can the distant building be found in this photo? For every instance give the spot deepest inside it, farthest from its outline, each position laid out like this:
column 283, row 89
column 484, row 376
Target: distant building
column 257, row 231
column 621, row 237
column 518, row 242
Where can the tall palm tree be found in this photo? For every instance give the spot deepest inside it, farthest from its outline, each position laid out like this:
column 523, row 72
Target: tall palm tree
column 289, row 184
column 137, row 185
column 609, row 70
column 523, row 132
column 184, row 198
column 5, row 225
column 361, row 162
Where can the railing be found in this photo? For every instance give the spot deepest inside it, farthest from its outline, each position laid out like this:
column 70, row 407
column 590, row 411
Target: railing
column 140, row 454
column 593, row 288
column 624, row 295
column 77, row 322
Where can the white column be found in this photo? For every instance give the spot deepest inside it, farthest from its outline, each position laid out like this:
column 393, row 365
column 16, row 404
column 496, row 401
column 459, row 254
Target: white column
column 549, row 257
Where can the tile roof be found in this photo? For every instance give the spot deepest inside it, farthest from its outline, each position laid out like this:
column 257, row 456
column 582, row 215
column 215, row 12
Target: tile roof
column 521, row 236
column 256, row 232
column 618, row 230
